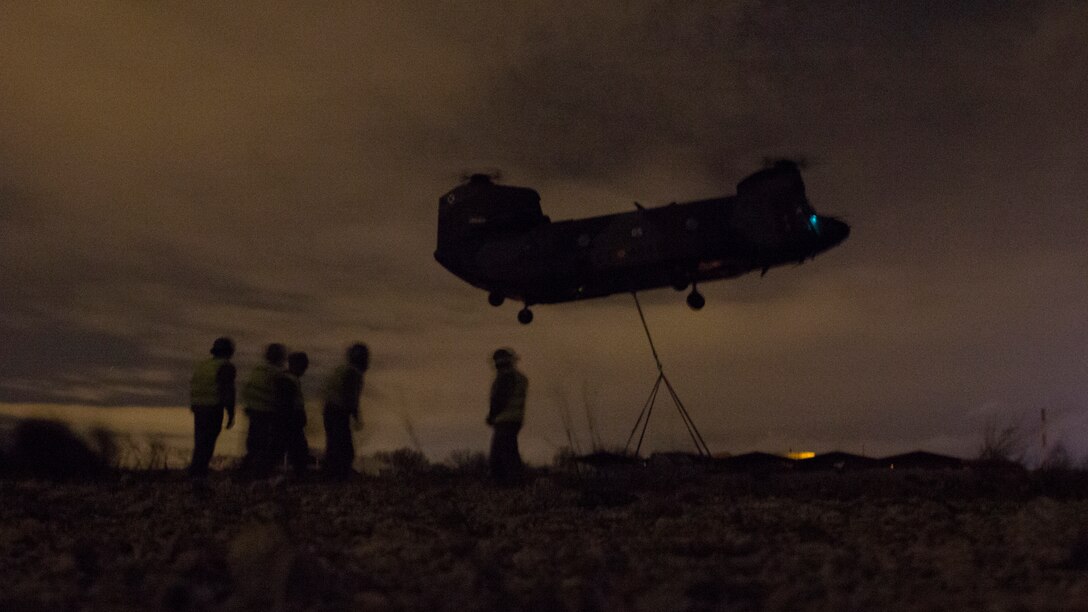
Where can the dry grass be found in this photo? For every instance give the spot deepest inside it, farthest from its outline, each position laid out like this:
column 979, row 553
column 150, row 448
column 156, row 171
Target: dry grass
column 422, row 537
column 665, row 535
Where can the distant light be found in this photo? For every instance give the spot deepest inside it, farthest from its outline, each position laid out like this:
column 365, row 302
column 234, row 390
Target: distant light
column 814, row 221
column 800, row 455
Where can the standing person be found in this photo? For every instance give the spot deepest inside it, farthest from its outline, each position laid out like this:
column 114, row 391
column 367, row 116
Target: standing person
column 211, row 393
column 342, row 392
column 290, row 416
column 259, row 398
column 505, row 417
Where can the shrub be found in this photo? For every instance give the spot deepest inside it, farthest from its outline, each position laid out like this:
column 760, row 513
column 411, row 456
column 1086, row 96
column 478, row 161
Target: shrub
column 470, row 463
column 1002, row 444
column 403, row 461
column 49, row 449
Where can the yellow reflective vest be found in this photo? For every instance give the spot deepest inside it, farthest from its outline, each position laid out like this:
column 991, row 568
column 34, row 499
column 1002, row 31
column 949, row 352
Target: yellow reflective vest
column 204, row 387
column 508, row 397
column 259, row 393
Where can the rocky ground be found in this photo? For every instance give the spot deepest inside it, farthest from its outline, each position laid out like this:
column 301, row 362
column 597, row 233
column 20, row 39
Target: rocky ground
column 622, row 539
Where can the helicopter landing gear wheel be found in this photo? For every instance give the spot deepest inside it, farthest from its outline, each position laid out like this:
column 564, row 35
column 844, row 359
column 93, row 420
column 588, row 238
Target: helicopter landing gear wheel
column 696, row 300
column 495, row 299
column 525, row 316
column 679, row 282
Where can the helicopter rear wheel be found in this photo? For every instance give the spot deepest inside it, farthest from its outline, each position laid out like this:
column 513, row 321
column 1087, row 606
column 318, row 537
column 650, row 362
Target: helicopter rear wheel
column 525, row 316
column 495, row 298
column 679, row 281
column 696, row 300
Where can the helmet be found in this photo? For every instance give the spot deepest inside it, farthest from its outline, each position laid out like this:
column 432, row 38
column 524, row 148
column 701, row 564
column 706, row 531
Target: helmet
column 223, row 347
column 298, row 362
column 275, row 353
column 359, row 355
column 504, row 356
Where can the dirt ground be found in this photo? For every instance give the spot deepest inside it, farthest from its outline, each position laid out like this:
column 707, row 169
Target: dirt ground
column 632, row 539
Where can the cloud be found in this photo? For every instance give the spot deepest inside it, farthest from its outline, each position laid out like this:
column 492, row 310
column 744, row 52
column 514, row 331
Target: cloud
column 169, row 174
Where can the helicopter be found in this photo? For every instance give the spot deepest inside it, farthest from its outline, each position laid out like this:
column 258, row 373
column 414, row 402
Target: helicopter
column 496, row 238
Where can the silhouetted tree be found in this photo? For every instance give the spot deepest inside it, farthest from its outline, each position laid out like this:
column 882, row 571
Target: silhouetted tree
column 1002, row 444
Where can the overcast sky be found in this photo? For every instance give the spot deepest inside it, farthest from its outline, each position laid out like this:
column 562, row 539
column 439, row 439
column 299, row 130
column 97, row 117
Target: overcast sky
column 172, row 172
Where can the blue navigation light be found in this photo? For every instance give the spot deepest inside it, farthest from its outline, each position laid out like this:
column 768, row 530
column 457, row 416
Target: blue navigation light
column 814, row 221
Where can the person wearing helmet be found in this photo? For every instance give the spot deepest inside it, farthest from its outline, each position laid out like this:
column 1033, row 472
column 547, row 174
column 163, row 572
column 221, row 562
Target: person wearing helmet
column 211, row 393
column 259, row 396
column 505, row 417
column 342, row 391
column 290, row 415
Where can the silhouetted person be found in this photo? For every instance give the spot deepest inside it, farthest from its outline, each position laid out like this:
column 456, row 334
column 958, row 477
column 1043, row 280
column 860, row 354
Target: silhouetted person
column 342, row 392
column 259, row 396
column 211, row 393
column 290, row 417
column 505, row 417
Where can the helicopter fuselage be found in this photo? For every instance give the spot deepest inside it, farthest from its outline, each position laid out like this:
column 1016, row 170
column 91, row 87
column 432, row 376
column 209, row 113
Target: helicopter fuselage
column 495, row 238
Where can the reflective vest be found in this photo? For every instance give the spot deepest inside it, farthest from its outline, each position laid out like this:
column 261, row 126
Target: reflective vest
column 259, row 393
column 514, row 410
column 334, row 388
column 203, row 387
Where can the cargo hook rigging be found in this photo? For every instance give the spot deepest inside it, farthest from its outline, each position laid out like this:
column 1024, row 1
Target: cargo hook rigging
column 648, row 407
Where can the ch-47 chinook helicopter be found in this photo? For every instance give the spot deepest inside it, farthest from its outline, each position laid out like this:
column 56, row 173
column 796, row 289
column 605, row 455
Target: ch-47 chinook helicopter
column 496, row 238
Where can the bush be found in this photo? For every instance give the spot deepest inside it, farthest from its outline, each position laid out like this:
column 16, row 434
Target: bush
column 469, row 463
column 1002, row 445
column 403, row 461
column 48, row 449
column 565, row 459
